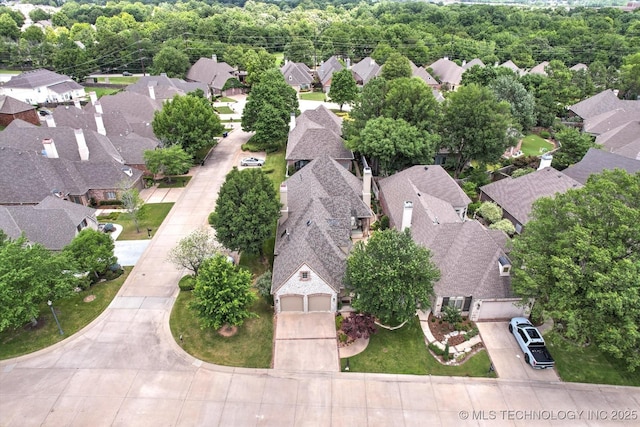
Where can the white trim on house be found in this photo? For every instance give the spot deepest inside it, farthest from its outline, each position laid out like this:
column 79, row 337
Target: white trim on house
column 311, row 286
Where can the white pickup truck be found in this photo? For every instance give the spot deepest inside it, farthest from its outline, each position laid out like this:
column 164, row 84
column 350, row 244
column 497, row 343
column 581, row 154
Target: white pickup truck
column 531, row 342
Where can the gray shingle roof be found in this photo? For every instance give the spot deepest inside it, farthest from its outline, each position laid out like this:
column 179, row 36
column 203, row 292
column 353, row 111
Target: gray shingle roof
column 423, row 75
column 512, row 66
column 36, row 78
column 165, row 87
column 211, row 72
column 465, row 252
column 296, row 73
column 317, row 133
column 597, row 104
column 65, row 87
column 448, row 71
column 596, row 161
column 516, row 195
column 366, row 69
column 609, row 120
column 475, row 61
column 540, row 68
column 327, row 68
column 623, row 140
column 579, row 66
column 9, row 105
column 52, row 223
column 322, row 197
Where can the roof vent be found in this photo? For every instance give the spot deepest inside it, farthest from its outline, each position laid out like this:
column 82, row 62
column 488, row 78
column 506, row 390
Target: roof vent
column 308, row 222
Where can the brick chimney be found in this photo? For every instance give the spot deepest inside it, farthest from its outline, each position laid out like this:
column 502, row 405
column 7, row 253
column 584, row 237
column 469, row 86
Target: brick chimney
column 284, row 210
column 50, row 148
column 366, row 186
column 51, row 123
column 82, row 145
column 100, row 125
column 407, row 213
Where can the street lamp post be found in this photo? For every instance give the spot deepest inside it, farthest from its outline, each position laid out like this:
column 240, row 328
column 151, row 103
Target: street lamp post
column 50, row 304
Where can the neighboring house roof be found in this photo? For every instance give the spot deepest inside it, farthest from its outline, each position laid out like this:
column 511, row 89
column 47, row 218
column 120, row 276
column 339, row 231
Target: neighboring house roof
column 596, row 161
column 623, row 140
column 207, row 70
column 164, row 87
column 327, row 68
column 540, row 68
column 609, row 120
column 423, row 75
column 465, row 252
column 475, row 61
column 317, row 133
column 38, row 78
column 517, row 195
column 512, row 66
column 366, row 70
column 579, row 66
column 323, row 197
column 448, row 71
column 53, row 222
column 9, row 105
column 296, row 73
column 600, row 103
column 65, row 87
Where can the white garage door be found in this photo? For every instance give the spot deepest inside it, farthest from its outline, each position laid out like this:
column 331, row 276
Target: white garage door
column 291, row 303
column 320, row 302
column 494, row 310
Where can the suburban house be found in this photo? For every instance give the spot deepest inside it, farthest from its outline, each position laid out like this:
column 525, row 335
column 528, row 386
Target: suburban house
column 218, row 76
column 164, row 88
column 72, row 164
column 614, row 122
column 316, row 133
column 597, row 161
column 579, row 67
column 365, row 70
column 424, row 75
column 11, row 109
column 324, row 209
column 53, row 222
column 512, row 66
column 42, row 87
column 325, row 71
column 473, row 262
column 476, row 61
column 297, row 75
column 516, row 195
column 540, row 68
column 449, row 73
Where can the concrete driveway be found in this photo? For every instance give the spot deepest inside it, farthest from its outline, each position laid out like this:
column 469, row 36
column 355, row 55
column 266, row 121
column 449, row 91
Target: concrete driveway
column 306, row 342
column 506, row 355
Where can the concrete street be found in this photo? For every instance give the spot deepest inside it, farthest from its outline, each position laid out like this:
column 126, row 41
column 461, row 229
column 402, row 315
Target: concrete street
column 125, row 369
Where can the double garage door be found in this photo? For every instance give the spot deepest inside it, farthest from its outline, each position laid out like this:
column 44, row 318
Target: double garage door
column 318, row 302
column 499, row 310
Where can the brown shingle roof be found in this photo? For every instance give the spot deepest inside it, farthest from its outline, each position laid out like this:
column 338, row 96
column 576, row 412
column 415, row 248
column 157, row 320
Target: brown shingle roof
column 317, row 133
column 296, row 73
column 366, row 70
column 211, row 72
column 9, row 105
column 448, row 71
column 517, row 195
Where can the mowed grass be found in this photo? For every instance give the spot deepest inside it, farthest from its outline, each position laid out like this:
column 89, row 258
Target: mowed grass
column 313, row 96
column 73, row 314
column 223, row 109
column 404, row 351
column 153, row 215
column 250, row 347
column 117, row 80
column 588, row 364
column 101, row 91
column 534, row 145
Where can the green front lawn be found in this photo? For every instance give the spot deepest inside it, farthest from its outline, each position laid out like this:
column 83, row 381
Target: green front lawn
column 533, row 145
column 224, row 99
column 176, row 182
column 101, row 91
column 313, row 96
column 250, row 347
column 223, row 109
column 117, row 80
column 588, row 364
column 153, row 215
column 73, row 314
column 403, row 351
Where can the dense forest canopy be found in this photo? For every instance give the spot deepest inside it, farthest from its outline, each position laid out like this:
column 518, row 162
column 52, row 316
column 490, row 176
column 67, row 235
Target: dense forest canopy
column 121, row 36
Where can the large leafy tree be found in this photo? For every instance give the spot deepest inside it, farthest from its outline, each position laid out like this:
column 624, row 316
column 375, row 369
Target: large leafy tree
column 523, row 104
column 222, row 295
column 299, row 50
column 171, row 61
column 133, row 205
column 188, row 121
column 271, row 130
column 194, row 249
column 256, row 63
column 396, row 66
column 29, row 276
column 412, row 100
column 474, row 126
column 343, row 88
column 271, row 90
column 369, row 105
column 394, row 144
column 391, row 276
column 630, row 76
column 246, row 210
column 91, row 251
column 573, row 146
column 579, row 257
column 172, row 160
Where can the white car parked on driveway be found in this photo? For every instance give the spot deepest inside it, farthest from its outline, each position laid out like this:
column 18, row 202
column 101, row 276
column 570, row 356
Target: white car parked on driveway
column 251, row 161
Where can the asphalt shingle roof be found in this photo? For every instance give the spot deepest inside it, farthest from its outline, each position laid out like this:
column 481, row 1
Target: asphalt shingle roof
column 9, row 105
column 366, row 69
column 317, row 133
column 164, row 87
column 211, row 72
column 623, row 140
column 517, row 195
column 596, row 161
column 327, row 68
column 36, row 78
column 296, row 73
column 448, row 71
column 602, row 102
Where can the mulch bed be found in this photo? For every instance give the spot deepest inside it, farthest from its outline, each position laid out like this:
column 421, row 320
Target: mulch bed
column 439, row 328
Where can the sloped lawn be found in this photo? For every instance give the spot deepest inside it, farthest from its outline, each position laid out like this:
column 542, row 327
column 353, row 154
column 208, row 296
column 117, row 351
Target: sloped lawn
column 533, row 145
column 403, row 351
